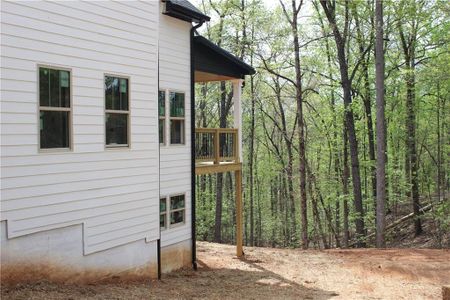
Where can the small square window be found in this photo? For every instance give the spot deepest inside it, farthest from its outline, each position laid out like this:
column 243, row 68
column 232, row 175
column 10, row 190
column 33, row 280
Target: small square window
column 177, row 209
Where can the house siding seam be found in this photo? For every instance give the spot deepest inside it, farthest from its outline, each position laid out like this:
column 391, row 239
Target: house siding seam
column 114, row 194
column 175, row 160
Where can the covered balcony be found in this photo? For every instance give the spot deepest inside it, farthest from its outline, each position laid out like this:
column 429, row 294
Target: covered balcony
column 219, row 150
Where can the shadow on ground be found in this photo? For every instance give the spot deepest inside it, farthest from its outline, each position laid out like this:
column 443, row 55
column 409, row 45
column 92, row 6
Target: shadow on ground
column 206, row 283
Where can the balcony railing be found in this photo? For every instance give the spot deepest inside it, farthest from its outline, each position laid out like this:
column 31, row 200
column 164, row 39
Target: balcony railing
column 216, row 145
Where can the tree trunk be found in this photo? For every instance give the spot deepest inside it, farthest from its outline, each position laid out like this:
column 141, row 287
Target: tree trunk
column 301, row 133
column 411, row 162
column 412, row 149
column 381, row 139
column 345, row 178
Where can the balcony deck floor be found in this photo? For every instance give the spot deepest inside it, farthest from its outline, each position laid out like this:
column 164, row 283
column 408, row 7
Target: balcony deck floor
column 209, row 167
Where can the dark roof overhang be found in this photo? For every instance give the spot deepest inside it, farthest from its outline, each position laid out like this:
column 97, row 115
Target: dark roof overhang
column 210, row 58
column 184, row 10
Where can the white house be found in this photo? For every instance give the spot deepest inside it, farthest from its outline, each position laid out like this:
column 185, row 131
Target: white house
column 98, row 158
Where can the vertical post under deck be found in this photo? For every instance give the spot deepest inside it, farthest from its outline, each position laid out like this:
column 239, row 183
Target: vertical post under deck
column 237, row 85
column 239, row 237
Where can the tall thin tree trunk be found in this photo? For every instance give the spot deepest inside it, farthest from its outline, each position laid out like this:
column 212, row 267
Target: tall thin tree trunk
column 301, row 129
column 408, row 45
column 345, row 178
column 381, row 130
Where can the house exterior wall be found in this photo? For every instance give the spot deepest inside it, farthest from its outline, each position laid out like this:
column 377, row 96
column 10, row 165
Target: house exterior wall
column 57, row 255
column 175, row 160
column 110, row 195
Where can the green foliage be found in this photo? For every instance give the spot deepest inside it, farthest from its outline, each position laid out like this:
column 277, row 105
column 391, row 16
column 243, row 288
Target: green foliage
column 267, row 45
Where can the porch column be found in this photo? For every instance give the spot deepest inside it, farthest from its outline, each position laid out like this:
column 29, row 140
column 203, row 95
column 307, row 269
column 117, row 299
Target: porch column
column 237, row 85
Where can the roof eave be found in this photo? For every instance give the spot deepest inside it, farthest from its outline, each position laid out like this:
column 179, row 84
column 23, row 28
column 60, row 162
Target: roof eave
column 227, row 55
column 180, row 12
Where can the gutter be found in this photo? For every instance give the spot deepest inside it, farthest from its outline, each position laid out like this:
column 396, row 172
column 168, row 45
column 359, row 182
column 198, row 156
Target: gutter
column 193, row 231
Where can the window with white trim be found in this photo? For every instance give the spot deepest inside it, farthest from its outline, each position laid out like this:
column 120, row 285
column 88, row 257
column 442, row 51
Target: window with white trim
column 116, row 112
column 177, row 209
column 54, row 108
column 177, row 118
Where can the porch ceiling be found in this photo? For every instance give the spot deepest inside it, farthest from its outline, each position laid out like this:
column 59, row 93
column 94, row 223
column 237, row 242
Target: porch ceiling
column 212, row 63
column 200, row 76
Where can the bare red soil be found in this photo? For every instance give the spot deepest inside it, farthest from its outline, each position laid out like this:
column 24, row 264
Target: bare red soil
column 267, row 273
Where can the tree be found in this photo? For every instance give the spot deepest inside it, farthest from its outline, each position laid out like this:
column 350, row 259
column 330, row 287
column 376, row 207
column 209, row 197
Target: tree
column 408, row 41
column 346, row 83
column 293, row 21
column 381, row 126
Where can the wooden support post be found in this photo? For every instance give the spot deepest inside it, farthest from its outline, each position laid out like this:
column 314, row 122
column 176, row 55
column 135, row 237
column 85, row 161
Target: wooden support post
column 239, row 232
column 236, row 146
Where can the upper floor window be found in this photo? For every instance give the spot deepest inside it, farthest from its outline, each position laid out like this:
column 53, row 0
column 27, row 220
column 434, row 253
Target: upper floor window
column 54, row 108
column 176, row 118
column 116, row 111
column 162, row 116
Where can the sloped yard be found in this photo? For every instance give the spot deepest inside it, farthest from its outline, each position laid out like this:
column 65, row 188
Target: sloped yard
column 277, row 274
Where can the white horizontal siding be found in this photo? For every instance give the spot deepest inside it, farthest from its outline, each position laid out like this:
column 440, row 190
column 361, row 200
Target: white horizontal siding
column 175, row 160
column 112, row 192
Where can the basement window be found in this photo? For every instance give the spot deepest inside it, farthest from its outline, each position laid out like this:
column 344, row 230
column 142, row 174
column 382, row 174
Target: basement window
column 116, row 112
column 177, row 118
column 163, row 213
column 177, row 209
column 54, row 108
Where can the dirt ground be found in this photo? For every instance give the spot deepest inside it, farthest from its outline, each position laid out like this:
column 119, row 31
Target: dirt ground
column 276, row 274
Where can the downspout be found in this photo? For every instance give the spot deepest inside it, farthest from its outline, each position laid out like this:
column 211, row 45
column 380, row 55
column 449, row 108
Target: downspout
column 194, row 249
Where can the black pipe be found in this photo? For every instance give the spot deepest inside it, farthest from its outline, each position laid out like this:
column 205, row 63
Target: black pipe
column 194, row 249
column 158, row 253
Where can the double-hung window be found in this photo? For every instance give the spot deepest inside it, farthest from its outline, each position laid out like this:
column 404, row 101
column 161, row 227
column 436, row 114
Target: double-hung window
column 54, row 108
column 176, row 118
column 116, row 112
column 162, row 116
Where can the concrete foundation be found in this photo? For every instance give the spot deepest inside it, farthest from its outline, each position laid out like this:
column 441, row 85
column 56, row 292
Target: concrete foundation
column 176, row 256
column 57, row 255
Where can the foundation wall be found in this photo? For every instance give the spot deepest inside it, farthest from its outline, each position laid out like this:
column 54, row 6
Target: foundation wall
column 176, row 256
column 57, row 255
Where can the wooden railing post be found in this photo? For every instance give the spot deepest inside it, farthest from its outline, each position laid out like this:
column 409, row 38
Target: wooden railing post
column 216, row 147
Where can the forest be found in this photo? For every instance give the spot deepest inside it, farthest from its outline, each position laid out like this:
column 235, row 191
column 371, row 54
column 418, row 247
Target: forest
column 345, row 123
